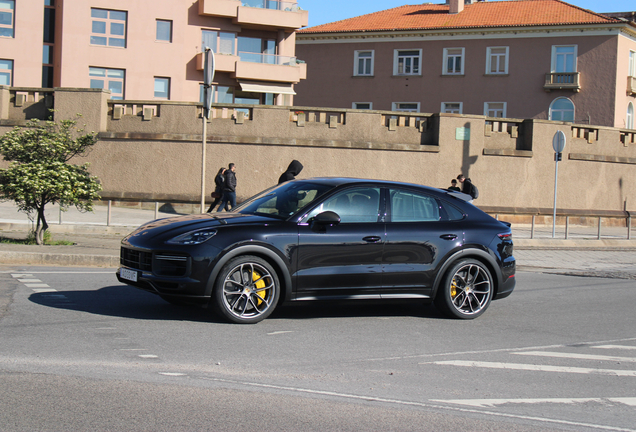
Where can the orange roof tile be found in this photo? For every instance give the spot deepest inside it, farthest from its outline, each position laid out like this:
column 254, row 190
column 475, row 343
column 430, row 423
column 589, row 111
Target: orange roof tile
column 483, row 14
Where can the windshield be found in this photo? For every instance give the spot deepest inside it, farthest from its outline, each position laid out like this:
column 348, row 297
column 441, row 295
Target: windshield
column 283, row 200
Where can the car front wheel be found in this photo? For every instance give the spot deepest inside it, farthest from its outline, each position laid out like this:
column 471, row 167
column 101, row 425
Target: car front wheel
column 246, row 290
column 466, row 290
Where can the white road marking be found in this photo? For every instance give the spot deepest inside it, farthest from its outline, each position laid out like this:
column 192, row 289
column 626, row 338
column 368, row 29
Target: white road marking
column 44, row 290
column 21, row 275
column 29, row 280
column 491, row 403
column 172, row 374
column 37, row 285
column 279, row 332
column 148, row 356
column 132, row 349
column 625, row 347
column 576, row 356
column 539, row 368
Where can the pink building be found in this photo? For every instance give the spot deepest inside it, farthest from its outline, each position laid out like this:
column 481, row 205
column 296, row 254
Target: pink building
column 541, row 59
column 151, row 49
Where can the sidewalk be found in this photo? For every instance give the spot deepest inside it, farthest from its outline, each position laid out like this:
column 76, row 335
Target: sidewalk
column 97, row 243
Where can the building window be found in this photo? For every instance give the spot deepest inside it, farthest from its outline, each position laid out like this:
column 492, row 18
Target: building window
column 562, row 109
column 6, row 17
column 256, row 50
column 452, row 107
column 495, row 109
column 162, row 88
column 630, row 116
column 108, row 79
column 164, row 30
column 407, row 62
column 362, row 105
column 564, row 58
column 632, row 63
column 108, row 28
column 406, row 106
column 222, row 94
column 496, row 60
column 6, row 72
column 363, row 63
column 453, row 61
column 219, row 42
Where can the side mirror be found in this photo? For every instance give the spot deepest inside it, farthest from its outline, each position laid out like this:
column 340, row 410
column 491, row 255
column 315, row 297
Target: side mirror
column 323, row 220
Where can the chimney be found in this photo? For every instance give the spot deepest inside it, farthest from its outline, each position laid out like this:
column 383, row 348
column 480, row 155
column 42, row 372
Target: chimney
column 456, row 6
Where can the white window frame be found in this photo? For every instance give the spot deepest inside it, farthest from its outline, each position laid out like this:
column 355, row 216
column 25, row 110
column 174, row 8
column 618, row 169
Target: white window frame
column 498, row 58
column 444, row 108
column 555, row 55
column 487, row 109
column 632, row 64
column 448, row 54
column 12, row 25
column 110, row 75
column 356, row 62
column 354, row 105
column 397, row 56
column 629, row 121
column 108, row 22
column 166, row 81
column 551, row 111
column 397, row 106
column 11, row 64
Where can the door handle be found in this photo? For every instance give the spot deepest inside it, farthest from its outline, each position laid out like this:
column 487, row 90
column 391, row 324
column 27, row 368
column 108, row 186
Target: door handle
column 448, row 236
column 371, row 239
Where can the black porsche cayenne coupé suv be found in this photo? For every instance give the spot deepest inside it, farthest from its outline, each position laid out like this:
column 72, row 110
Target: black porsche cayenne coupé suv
column 326, row 238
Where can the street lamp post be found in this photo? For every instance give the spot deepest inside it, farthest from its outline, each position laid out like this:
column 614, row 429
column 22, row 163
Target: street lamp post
column 208, row 77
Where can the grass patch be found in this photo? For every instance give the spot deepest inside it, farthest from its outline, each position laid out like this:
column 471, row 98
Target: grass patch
column 30, row 240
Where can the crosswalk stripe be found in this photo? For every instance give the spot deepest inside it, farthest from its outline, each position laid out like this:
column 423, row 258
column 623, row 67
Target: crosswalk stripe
column 539, row 368
column 575, row 356
column 21, row 275
column 37, row 285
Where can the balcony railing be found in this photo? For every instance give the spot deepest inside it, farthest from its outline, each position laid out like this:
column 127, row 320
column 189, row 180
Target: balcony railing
column 562, row 81
column 268, row 59
column 272, row 4
column 631, row 85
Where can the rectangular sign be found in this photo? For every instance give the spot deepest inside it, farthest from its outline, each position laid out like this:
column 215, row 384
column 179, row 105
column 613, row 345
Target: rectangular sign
column 462, row 133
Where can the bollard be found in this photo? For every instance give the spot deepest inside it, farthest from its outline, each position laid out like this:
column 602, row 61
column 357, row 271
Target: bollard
column 567, row 226
column 629, row 228
column 108, row 213
column 532, row 228
column 59, row 221
column 599, row 228
column 156, row 210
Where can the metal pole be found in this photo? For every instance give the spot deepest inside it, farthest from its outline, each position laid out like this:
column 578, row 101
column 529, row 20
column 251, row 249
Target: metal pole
column 532, row 228
column 629, row 228
column 556, row 173
column 156, row 209
column 108, row 214
column 599, row 228
column 567, row 226
column 204, row 136
column 59, row 221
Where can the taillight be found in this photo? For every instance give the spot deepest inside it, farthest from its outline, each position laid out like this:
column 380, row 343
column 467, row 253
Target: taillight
column 505, row 236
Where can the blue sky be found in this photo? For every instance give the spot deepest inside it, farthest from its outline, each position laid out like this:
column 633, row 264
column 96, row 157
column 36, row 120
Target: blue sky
column 325, row 11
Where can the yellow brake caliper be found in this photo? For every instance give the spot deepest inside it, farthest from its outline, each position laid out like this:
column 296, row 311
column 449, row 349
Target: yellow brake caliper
column 259, row 286
column 453, row 290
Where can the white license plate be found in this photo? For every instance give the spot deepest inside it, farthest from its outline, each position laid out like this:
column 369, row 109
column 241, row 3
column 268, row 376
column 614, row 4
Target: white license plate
column 130, row 275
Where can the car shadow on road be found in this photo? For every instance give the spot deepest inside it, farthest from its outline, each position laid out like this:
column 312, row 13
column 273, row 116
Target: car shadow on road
column 127, row 302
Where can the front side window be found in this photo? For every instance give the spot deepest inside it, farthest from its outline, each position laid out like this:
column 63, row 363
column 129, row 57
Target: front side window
column 363, row 63
column 356, row 205
column 407, row 62
column 564, row 58
column 452, row 107
column 164, row 30
column 495, row 109
column 6, row 72
column 496, row 60
column 630, row 116
column 108, row 79
column 7, row 8
column 407, row 206
column 108, row 28
column 162, row 88
column 453, row 61
column 562, row 109
column 363, row 105
column 632, row 64
column 406, row 106
column 283, row 200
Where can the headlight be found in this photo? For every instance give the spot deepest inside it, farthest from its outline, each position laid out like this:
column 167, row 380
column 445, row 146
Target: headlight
column 193, row 237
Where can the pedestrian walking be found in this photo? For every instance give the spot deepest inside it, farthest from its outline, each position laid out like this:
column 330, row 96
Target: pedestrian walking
column 229, row 188
column 293, row 170
column 454, row 186
column 468, row 187
column 219, row 180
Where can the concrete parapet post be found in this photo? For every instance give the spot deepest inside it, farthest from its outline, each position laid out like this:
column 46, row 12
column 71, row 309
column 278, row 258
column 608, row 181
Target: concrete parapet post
column 5, row 97
column 90, row 103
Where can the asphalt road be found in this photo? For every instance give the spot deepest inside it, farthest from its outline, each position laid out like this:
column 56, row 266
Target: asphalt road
column 79, row 351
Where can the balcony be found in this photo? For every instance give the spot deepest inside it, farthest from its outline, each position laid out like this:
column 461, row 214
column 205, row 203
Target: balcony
column 631, row 85
column 562, row 81
column 260, row 67
column 261, row 13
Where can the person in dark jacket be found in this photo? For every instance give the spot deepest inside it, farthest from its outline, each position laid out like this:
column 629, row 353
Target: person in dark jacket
column 293, row 170
column 219, row 180
column 454, row 186
column 467, row 186
column 229, row 189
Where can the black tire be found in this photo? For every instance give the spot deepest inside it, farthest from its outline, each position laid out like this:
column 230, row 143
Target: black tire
column 246, row 290
column 466, row 290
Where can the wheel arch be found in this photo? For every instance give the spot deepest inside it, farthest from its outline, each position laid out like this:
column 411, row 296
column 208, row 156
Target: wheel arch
column 260, row 251
column 474, row 253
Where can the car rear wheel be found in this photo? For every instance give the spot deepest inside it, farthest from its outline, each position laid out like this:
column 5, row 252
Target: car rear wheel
column 466, row 290
column 247, row 290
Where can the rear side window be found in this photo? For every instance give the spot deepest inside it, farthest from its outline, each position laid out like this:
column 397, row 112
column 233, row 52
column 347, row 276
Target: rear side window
column 407, row 206
column 452, row 212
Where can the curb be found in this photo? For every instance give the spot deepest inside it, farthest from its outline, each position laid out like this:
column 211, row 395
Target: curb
column 71, row 260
